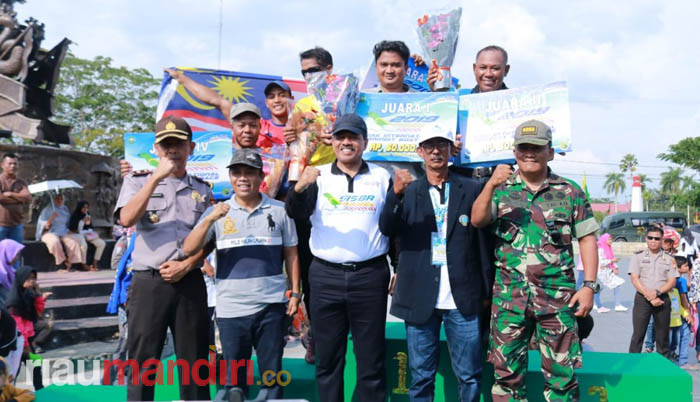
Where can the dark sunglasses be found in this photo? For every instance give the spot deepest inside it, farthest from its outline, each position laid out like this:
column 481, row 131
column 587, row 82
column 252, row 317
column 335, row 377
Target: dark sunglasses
column 311, row 70
column 653, row 238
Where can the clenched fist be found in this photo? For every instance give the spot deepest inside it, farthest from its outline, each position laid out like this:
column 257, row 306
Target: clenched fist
column 308, row 176
column 220, row 210
column 500, row 175
column 165, row 167
column 402, row 178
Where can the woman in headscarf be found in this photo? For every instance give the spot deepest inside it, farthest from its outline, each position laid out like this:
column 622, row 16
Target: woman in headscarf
column 26, row 304
column 608, row 273
column 9, row 254
column 80, row 223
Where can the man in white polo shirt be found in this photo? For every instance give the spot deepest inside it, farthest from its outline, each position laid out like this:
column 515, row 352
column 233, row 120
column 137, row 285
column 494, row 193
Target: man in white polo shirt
column 349, row 273
column 251, row 233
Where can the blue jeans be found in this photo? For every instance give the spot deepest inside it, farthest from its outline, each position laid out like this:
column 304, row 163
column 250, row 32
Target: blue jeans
column 263, row 331
column 650, row 338
column 616, row 295
column 15, row 233
column 680, row 339
column 464, row 344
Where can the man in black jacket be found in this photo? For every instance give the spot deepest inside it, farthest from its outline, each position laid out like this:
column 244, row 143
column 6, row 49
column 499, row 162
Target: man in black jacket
column 444, row 272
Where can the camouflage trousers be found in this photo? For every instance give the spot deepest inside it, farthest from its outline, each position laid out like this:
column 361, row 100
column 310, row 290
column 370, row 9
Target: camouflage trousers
column 557, row 339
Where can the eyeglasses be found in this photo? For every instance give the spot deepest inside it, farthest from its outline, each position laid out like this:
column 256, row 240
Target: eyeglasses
column 311, row 70
column 653, row 238
column 430, row 146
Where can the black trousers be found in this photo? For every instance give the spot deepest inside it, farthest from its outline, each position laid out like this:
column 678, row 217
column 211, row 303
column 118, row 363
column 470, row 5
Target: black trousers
column 305, row 258
column 154, row 306
column 641, row 312
column 352, row 301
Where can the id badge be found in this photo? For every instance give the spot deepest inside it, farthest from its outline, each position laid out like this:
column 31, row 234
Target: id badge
column 439, row 249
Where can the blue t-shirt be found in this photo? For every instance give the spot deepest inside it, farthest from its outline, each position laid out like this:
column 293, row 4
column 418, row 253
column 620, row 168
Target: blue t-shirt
column 682, row 285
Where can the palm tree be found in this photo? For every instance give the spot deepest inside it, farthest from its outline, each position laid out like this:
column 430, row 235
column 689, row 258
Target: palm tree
column 629, row 164
column 644, row 179
column 671, row 184
column 646, row 194
column 687, row 183
column 614, row 184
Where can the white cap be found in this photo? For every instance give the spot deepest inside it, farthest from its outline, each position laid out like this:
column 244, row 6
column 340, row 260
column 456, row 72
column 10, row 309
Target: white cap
column 435, row 131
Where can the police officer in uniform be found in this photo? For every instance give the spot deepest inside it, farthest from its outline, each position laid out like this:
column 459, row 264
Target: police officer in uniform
column 167, row 291
column 653, row 274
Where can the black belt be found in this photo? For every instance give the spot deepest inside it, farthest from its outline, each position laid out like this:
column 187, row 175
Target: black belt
column 151, row 272
column 353, row 266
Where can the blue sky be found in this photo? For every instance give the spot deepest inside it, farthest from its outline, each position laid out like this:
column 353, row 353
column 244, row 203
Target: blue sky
column 631, row 66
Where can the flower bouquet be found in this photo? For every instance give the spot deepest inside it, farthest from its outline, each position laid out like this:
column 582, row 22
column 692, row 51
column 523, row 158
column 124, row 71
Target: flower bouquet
column 437, row 35
column 331, row 96
column 273, row 159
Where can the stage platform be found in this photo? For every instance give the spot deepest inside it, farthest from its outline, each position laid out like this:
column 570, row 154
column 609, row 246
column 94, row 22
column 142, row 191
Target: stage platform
column 604, row 377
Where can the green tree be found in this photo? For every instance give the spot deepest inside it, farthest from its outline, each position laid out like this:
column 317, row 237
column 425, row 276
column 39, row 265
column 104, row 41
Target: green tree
column 647, row 195
column 614, row 184
column 685, row 153
column 645, row 180
column 629, row 163
column 102, row 102
column 671, row 185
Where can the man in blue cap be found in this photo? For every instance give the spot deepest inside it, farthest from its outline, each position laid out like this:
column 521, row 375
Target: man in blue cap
column 349, row 272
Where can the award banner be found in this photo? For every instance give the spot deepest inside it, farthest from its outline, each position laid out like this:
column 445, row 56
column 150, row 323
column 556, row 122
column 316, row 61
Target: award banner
column 487, row 120
column 395, row 121
column 212, row 153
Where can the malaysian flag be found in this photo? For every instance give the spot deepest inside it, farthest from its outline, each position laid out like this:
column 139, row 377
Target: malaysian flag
column 176, row 100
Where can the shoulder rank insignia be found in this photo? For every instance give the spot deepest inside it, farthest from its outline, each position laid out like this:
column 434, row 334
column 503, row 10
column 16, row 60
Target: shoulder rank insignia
column 141, row 172
column 199, row 179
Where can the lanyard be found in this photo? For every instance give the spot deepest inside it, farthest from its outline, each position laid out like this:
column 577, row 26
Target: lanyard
column 440, row 209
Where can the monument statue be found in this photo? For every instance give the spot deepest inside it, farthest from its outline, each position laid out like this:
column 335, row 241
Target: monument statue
column 28, row 76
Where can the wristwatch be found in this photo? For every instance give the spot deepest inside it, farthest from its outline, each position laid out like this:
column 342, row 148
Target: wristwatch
column 658, row 294
column 297, row 295
column 593, row 285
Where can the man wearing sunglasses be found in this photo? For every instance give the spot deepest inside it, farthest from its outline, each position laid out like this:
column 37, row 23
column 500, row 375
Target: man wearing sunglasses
column 653, row 274
column 315, row 60
column 535, row 216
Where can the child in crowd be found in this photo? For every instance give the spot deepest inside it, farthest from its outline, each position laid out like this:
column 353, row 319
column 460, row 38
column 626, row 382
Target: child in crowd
column 681, row 314
column 26, row 304
column 690, row 250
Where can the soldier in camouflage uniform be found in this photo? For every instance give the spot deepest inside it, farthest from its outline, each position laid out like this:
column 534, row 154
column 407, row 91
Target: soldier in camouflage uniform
column 535, row 215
